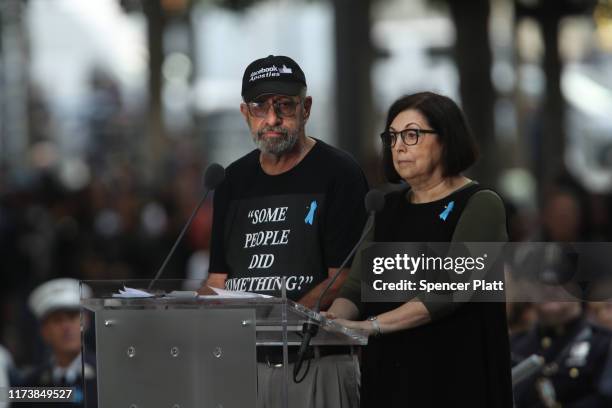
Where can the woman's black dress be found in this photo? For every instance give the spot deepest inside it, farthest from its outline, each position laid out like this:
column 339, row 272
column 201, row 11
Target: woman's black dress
column 461, row 360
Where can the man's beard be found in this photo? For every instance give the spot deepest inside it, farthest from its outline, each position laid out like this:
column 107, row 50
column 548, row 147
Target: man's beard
column 277, row 145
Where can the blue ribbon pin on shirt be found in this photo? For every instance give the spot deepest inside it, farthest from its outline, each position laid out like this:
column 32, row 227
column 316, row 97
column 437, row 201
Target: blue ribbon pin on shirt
column 310, row 216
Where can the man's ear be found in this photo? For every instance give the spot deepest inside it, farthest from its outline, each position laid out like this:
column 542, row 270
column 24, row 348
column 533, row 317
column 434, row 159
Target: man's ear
column 307, row 106
column 245, row 111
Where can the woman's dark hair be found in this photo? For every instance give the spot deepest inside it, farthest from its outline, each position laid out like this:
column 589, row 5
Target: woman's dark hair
column 459, row 149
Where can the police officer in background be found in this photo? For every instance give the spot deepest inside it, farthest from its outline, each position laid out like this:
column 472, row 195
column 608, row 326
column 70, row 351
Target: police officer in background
column 578, row 359
column 6, row 366
column 56, row 305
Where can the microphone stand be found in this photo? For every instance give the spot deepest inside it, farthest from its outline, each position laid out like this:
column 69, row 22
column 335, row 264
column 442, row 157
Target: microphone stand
column 311, row 328
column 213, row 176
column 180, row 237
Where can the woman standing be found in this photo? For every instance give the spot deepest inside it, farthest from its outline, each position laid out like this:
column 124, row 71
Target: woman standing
column 420, row 353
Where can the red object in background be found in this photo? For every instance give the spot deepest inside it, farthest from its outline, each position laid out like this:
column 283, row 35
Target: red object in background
column 200, row 230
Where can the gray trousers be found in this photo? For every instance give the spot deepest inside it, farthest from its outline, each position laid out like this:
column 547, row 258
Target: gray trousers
column 332, row 382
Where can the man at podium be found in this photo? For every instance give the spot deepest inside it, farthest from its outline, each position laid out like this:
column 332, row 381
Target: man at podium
column 292, row 208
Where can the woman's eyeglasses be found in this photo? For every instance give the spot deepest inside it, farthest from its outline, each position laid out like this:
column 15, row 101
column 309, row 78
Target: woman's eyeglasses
column 409, row 136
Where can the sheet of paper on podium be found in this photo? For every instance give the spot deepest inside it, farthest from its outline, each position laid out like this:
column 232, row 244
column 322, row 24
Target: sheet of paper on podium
column 235, row 294
column 132, row 293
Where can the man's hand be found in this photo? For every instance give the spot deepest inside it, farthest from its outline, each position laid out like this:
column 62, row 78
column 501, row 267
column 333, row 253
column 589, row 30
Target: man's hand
column 206, row 290
column 215, row 280
column 310, row 299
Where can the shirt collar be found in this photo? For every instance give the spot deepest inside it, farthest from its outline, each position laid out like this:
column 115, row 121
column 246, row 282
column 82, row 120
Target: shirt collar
column 70, row 373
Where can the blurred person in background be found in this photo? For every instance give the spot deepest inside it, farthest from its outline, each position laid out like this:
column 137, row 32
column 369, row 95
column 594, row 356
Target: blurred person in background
column 561, row 217
column 6, row 368
column 426, row 353
column 56, row 304
column 521, row 316
column 600, row 208
column 600, row 313
column 309, row 195
column 578, row 364
column 577, row 369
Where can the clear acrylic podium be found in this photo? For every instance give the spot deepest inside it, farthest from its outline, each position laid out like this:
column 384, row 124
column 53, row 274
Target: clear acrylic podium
column 179, row 350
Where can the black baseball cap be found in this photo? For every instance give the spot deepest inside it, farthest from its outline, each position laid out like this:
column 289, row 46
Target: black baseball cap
column 275, row 74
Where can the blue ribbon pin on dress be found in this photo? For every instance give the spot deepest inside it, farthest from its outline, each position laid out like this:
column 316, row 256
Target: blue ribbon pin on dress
column 448, row 209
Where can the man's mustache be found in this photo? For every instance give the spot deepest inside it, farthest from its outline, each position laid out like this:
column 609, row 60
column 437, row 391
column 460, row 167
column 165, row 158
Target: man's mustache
column 277, row 129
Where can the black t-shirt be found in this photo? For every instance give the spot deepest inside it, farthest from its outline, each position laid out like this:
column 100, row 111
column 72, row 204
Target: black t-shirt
column 296, row 224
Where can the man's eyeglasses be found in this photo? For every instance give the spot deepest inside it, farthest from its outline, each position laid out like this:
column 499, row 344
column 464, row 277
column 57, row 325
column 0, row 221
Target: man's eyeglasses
column 409, row 136
column 282, row 108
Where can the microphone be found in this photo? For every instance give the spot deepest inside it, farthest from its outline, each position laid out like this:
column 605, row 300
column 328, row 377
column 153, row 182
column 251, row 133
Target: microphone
column 213, row 176
column 374, row 202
